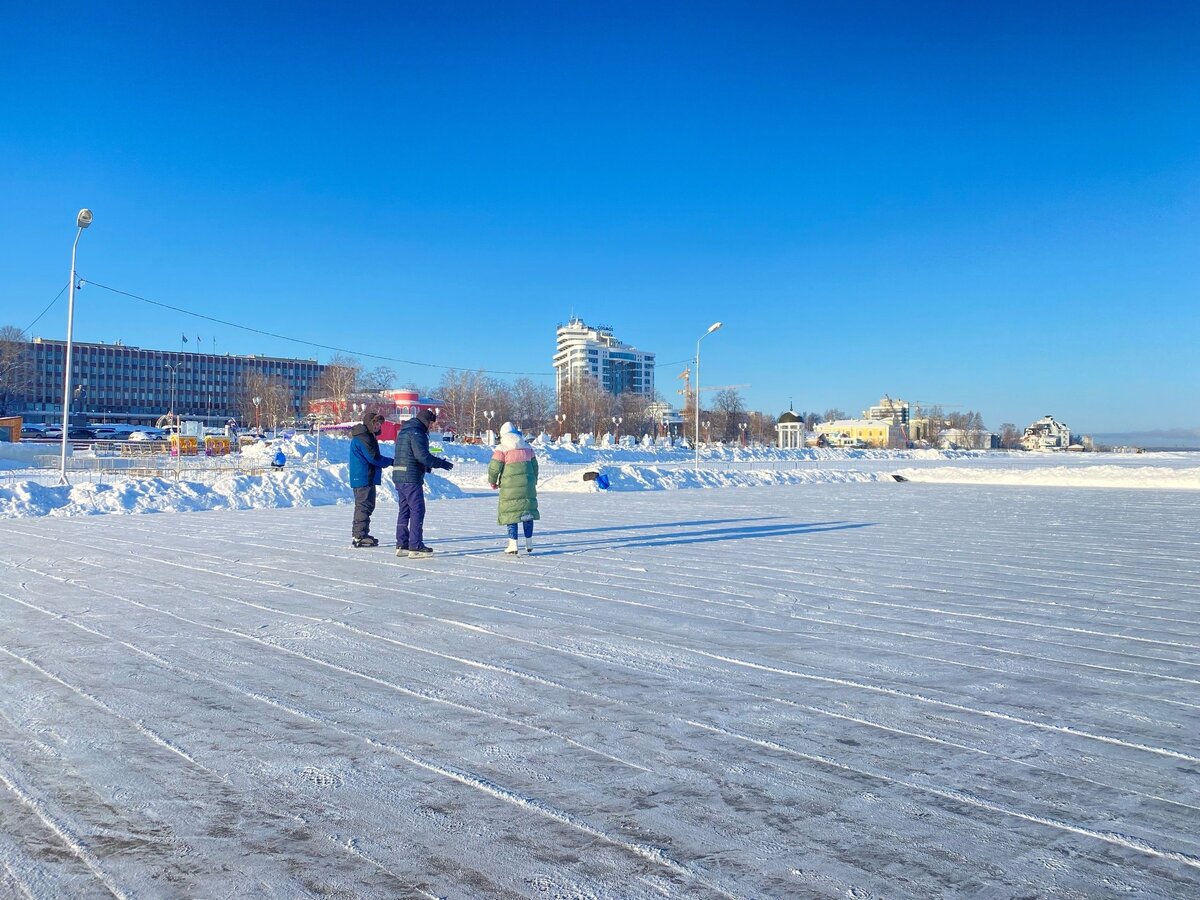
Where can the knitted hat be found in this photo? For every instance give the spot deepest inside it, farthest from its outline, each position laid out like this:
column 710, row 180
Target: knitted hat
column 509, row 428
column 428, row 416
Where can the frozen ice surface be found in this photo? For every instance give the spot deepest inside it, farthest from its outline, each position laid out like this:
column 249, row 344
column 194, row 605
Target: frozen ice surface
column 833, row 688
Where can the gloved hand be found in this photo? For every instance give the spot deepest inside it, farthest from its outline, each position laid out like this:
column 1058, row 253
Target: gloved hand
column 446, row 464
column 495, row 487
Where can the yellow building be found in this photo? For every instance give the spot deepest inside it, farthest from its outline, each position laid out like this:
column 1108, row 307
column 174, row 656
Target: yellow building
column 862, row 433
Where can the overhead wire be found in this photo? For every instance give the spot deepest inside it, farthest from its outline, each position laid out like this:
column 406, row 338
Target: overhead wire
column 301, row 341
column 29, row 327
column 283, row 337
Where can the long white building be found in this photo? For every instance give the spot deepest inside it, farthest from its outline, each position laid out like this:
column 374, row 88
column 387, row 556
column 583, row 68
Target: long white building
column 586, row 350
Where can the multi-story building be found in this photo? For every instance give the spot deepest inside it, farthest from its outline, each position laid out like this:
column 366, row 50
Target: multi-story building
column 116, row 383
column 584, row 350
column 1046, row 434
column 862, row 433
column 896, row 411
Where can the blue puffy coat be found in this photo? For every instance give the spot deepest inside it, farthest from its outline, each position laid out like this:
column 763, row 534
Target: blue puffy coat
column 366, row 462
column 413, row 458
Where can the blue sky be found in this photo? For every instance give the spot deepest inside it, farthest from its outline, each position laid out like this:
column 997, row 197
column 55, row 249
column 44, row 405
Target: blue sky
column 991, row 205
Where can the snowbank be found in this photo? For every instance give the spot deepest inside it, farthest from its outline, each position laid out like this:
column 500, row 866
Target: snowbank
column 28, row 491
column 1103, row 476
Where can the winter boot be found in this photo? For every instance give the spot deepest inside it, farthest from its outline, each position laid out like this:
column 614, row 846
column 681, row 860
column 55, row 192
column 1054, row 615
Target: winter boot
column 529, row 545
column 511, row 549
column 367, row 541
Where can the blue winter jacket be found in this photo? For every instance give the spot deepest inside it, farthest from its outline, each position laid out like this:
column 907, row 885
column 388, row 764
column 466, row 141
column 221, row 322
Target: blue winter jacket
column 413, row 458
column 366, row 462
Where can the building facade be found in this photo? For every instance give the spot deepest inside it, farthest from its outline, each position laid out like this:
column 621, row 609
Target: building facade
column 881, row 433
column 583, row 350
column 887, row 409
column 1046, row 434
column 116, row 383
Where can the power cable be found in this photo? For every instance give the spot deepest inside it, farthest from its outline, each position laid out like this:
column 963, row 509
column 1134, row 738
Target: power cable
column 44, row 311
column 283, row 337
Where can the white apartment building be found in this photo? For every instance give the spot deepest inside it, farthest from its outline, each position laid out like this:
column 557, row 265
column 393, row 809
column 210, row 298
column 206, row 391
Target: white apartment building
column 586, row 350
column 896, row 411
column 1046, row 434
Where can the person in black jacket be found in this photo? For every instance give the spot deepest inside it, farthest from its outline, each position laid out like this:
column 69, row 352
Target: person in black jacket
column 413, row 460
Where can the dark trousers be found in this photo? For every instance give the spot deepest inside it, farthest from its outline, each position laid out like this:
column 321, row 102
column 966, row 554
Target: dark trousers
column 364, row 505
column 410, row 519
column 512, row 529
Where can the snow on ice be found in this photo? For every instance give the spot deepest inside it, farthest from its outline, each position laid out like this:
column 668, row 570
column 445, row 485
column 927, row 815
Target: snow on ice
column 783, row 675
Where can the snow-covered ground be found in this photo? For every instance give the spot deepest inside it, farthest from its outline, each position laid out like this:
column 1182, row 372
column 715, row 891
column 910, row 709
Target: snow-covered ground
column 805, row 679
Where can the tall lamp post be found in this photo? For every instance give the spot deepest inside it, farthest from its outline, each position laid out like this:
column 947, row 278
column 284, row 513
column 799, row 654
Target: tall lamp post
column 561, row 419
column 487, row 417
column 617, row 420
column 173, row 369
column 257, row 419
column 742, row 428
column 711, row 328
column 82, row 221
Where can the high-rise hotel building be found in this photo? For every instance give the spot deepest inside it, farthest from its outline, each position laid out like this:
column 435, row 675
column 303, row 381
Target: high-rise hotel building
column 586, row 350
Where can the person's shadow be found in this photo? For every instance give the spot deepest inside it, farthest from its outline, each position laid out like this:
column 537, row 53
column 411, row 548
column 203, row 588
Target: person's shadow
column 552, row 543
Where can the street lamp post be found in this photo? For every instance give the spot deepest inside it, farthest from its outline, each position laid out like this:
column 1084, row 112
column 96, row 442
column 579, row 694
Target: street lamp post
column 742, row 428
column 487, row 417
column 711, row 328
column 173, row 369
column 82, row 221
column 257, row 418
column 617, row 420
column 707, row 431
column 561, row 419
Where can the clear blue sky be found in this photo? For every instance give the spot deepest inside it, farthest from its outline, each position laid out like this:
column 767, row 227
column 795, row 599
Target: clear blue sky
column 993, row 205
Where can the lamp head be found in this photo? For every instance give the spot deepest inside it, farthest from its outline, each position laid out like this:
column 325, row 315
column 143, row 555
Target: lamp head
column 713, row 327
column 84, row 219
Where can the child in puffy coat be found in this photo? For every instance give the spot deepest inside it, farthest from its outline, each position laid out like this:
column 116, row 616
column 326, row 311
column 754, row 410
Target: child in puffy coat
column 514, row 470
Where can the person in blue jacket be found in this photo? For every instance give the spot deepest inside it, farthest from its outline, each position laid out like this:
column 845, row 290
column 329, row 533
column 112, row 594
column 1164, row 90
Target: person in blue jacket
column 413, row 460
column 366, row 473
column 279, row 460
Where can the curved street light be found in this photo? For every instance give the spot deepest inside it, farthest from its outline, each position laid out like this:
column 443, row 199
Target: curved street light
column 711, row 328
column 82, row 220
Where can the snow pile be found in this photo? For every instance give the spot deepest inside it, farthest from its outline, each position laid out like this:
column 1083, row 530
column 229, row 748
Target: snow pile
column 289, row 487
column 1104, row 476
column 655, row 478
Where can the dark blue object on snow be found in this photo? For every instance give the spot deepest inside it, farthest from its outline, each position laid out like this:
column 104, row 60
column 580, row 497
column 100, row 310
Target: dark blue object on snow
column 602, row 481
column 279, row 460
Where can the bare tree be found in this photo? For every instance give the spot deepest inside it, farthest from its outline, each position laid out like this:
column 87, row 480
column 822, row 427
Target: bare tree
column 378, row 379
column 462, row 394
column 632, row 410
column 274, row 400
column 728, row 412
column 339, row 382
column 833, row 415
column 532, row 404
column 1010, row 436
column 14, row 369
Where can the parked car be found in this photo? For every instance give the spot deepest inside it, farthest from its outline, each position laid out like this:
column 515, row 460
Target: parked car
column 78, row 433
column 32, row 431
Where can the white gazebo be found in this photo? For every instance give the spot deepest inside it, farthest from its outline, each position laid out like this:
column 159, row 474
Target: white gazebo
column 789, row 431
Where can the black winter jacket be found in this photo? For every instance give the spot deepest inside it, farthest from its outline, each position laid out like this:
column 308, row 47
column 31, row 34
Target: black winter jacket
column 413, row 458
